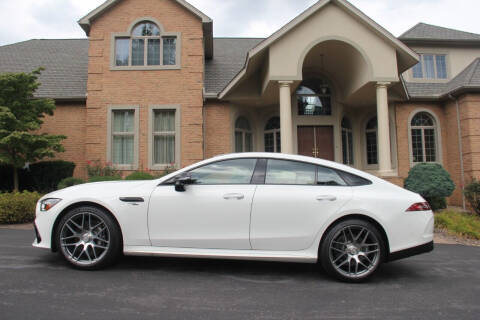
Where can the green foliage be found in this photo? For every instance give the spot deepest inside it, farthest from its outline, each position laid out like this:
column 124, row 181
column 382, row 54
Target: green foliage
column 139, row 175
column 41, row 176
column 18, row 207
column 68, row 182
column 432, row 182
column 472, row 194
column 104, row 178
column 459, row 223
column 21, row 115
column 97, row 169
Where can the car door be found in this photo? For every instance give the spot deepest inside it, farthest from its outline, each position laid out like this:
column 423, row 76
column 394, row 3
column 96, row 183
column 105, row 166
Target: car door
column 212, row 213
column 295, row 201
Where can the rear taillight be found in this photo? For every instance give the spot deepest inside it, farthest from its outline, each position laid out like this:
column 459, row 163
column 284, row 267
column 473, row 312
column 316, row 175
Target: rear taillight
column 419, row 206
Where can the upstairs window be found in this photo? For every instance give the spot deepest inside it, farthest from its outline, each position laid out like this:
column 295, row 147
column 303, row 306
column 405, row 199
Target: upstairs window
column 431, row 67
column 314, row 98
column 146, row 46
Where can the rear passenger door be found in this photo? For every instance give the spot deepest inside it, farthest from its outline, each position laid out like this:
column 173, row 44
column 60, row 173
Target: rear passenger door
column 295, row 201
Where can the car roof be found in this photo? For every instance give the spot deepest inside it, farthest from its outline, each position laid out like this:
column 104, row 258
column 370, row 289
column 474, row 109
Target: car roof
column 293, row 157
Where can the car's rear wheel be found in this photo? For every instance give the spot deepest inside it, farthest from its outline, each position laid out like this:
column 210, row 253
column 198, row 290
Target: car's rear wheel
column 352, row 250
column 88, row 238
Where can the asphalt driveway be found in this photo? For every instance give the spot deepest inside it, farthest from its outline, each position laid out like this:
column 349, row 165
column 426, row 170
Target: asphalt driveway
column 36, row 284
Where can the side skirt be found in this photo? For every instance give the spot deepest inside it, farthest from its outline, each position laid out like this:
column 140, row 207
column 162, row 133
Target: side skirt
column 285, row 256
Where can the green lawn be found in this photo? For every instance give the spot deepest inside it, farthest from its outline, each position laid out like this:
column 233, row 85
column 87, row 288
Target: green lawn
column 459, row 223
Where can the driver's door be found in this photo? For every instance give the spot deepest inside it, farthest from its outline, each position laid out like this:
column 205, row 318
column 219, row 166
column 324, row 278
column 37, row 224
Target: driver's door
column 212, row 213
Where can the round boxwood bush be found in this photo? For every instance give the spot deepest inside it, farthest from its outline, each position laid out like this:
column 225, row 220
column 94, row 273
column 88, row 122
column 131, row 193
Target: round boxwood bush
column 18, row 207
column 432, row 182
column 140, row 176
column 104, row 178
column 68, row 182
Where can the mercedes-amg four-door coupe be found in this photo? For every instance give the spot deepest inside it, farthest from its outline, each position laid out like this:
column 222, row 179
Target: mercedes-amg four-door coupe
column 255, row 206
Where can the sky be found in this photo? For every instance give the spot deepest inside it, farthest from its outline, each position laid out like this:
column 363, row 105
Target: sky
column 57, row 19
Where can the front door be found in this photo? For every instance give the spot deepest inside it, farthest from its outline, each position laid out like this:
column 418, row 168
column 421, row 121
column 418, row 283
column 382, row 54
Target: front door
column 316, row 141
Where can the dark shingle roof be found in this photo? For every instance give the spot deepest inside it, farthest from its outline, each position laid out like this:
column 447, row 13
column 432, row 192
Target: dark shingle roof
column 423, row 31
column 65, row 63
column 422, row 90
column 228, row 59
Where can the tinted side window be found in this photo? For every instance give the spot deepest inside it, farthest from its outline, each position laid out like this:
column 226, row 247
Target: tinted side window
column 238, row 171
column 290, row 172
column 354, row 180
column 329, row 177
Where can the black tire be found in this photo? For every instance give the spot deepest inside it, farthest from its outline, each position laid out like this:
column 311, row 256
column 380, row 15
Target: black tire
column 103, row 238
column 341, row 238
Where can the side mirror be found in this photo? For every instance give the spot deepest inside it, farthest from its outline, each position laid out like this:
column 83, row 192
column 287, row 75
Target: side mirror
column 181, row 182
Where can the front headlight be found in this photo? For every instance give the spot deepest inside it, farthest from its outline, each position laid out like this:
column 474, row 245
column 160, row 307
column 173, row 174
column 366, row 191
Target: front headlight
column 47, row 204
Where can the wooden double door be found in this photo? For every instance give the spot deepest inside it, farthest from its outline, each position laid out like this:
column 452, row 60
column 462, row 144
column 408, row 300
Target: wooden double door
column 316, row 141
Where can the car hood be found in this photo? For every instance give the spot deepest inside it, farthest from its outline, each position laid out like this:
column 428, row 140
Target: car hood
column 105, row 189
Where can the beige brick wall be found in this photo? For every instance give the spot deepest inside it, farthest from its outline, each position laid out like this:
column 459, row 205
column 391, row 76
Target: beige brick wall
column 470, row 121
column 143, row 88
column 450, row 158
column 218, row 129
column 69, row 120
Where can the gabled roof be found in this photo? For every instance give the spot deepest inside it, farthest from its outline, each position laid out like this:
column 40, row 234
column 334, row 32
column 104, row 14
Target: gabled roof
column 428, row 32
column 86, row 21
column 305, row 15
column 65, row 63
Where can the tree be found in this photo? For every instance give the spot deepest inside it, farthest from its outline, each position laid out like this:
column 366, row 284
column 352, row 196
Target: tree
column 21, row 116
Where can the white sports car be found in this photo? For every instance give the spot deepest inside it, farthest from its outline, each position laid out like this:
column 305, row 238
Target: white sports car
column 260, row 206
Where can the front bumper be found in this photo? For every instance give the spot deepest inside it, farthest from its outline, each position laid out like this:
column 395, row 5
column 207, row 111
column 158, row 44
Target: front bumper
column 424, row 248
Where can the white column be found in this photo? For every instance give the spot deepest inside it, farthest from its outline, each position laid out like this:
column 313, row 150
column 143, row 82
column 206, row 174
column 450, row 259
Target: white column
column 286, row 124
column 384, row 155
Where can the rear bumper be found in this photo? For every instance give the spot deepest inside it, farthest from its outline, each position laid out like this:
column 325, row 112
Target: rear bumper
column 424, row 248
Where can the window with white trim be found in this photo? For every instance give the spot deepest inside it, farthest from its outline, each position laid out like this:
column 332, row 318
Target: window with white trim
column 164, row 137
column 272, row 136
column 146, row 46
column 243, row 135
column 431, row 66
column 423, row 131
column 123, row 137
column 347, row 142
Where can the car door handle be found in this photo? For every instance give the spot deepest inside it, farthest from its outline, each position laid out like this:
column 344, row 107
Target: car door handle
column 326, row 198
column 231, row 196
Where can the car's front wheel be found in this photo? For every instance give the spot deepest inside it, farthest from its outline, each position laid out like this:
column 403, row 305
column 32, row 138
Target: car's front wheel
column 88, row 238
column 352, row 250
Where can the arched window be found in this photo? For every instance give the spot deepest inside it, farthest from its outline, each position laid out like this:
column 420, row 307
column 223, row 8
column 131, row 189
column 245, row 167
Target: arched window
column 371, row 141
column 243, row 135
column 423, row 136
column 314, row 98
column 347, row 141
column 272, row 135
column 146, row 46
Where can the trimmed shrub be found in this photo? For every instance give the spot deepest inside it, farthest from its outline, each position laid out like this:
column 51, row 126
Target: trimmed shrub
column 140, row 176
column 41, row 176
column 432, row 182
column 104, row 178
column 18, row 207
column 68, row 182
column 472, row 194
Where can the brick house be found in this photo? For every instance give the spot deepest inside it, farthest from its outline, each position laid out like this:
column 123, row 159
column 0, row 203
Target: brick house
column 151, row 87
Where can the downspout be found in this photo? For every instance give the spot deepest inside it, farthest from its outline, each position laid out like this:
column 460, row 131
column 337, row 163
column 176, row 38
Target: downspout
column 204, row 129
column 460, row 148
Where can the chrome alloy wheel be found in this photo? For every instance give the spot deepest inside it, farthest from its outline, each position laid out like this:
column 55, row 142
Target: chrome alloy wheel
column 85, row 238
column 354, row 251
